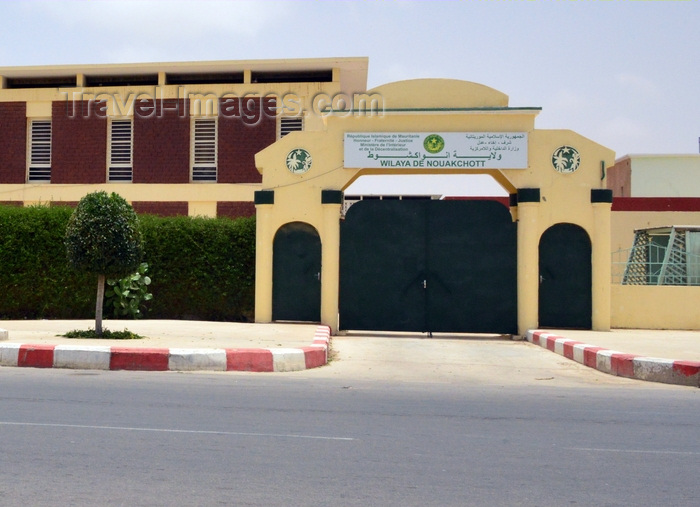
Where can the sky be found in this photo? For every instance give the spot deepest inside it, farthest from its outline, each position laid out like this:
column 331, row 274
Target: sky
column 623, row 73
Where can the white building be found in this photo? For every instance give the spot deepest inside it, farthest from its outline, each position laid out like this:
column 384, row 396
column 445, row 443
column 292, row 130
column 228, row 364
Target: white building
column 655, row 176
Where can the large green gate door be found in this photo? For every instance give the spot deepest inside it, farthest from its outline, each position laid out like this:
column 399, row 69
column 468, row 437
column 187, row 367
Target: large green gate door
column 565, row 278
column 296, row 273
column 382, row 266
column 438, row 266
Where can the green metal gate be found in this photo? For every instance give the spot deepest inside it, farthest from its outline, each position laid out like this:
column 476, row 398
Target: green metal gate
column 565, row 278
column 428, row 266
column 296, row 273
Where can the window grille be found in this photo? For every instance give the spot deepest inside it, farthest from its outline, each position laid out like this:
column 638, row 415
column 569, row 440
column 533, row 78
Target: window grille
column 660, row 256
column 40, row 150
column 120, row 151
column 290, row 124
column 204, row 149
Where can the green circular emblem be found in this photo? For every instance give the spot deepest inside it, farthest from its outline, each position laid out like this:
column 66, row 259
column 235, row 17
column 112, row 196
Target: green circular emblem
column 298, row 161
column 566, row 159
column 433, row 143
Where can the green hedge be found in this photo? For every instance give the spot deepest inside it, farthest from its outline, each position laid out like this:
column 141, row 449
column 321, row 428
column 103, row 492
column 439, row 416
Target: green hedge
column 35, row 280
column 201, row 268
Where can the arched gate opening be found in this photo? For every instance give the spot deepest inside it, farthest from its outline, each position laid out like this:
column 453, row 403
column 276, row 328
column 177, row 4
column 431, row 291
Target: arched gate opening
column 296, row 273
column 565, row 277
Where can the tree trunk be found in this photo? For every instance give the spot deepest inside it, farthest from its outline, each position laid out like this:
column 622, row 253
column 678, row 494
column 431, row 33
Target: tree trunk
column 98, row 304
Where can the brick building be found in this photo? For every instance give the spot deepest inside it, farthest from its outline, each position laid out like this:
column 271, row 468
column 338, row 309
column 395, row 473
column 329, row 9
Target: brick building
column 171, row 138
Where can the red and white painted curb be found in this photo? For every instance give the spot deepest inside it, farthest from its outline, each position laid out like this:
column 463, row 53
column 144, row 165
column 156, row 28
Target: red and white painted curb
column 634, row 366
column 168, row 359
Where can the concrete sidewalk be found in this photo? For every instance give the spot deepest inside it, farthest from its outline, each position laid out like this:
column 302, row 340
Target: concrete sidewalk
column 667, row 356
column 167, row 345
column 653, row 355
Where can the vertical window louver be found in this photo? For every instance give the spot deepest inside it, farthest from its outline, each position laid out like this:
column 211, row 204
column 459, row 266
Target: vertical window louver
column 120, row 151
column 204, row 149
column 40, row 150
column 290, row 124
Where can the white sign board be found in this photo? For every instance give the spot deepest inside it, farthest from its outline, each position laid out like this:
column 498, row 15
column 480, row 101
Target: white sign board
column 436, row 150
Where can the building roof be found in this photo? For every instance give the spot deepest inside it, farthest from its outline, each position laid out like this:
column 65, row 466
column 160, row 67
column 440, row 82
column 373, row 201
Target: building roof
column 353, row 70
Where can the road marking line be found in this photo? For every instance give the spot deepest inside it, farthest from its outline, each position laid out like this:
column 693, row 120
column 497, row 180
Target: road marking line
column 166, row 430
column 635, row 451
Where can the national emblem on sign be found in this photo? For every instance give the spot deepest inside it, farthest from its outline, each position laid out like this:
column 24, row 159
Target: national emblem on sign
column 434, row 143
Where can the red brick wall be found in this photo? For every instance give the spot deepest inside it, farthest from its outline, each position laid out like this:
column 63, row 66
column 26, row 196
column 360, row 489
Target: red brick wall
column 244, row 129
column 163, row 209
column 70, row 204
column 13, row 142
column 656, row 204
column 619, row 178
column 78, row 142
column 162, row 141
column 235, row 209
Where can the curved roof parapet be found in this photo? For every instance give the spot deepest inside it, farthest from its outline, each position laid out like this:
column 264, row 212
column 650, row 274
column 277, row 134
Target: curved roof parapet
column 439, row 94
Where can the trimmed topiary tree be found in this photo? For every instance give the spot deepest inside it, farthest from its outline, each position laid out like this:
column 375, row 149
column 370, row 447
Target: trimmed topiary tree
column 103, row 237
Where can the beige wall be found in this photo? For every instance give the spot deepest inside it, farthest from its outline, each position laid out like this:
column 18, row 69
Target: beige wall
column 624, row 223
column 202, row 197
column 655, row 307
column 649, row 306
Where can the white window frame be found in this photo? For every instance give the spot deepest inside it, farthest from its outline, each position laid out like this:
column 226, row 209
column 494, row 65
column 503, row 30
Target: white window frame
column 39, row 151
column 204, row 149
column 120, row 150
column 288, row 124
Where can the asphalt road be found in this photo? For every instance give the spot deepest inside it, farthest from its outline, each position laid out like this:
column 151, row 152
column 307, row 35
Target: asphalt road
column 344, row 436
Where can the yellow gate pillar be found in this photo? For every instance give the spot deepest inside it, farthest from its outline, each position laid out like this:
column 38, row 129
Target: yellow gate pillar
column 264, row 200
column 528, row 259
column 330, row 258
column 601, row 200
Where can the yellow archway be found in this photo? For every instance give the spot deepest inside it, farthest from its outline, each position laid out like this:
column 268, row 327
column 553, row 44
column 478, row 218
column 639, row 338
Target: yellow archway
column 554, row 176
